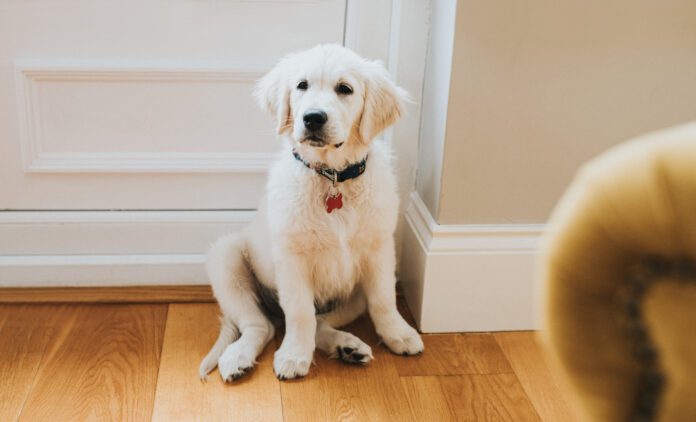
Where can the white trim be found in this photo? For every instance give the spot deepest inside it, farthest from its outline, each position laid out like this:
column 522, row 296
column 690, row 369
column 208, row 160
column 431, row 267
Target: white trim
column 131, row 217
column 35, row 160
column 148, row 162
column 97, row 260
column 469, row 238
column 351, row 24
column 407, row 47
column 469, row 277
column 110, row 248
column 73, row 233
column 102, row 270
column 394, row 37
column 367, row 28
column 435, row 101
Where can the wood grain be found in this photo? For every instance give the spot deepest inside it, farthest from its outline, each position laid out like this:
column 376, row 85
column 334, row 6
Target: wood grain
column 456, row 354
column 190, row 332
column 100, row 362
column 24, row 334
column 345, row 392
column 532, row 369
column 492, row 397
column 102, row 367
column 426, row 399
column 374, row 396
column 134, row 294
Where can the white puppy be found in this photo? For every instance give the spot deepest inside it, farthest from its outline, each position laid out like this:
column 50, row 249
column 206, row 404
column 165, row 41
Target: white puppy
column 322, row 243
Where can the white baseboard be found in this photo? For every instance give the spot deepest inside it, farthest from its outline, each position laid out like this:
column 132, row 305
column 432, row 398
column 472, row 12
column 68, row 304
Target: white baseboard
column 455, row 277
column 468, row 277
column 109, row 248
column 102, row 270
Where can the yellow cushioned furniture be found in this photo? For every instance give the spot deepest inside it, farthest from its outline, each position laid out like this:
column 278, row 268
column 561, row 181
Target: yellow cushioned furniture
column 620, row 285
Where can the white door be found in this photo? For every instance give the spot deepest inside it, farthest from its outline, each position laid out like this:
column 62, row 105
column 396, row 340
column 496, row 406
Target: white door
column 142, row 104
column 128, row 136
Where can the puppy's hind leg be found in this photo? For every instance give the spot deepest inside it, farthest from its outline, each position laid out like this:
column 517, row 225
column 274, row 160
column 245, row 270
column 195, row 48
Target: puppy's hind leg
column 228, row 334
column 233, row 286
column 342, row 344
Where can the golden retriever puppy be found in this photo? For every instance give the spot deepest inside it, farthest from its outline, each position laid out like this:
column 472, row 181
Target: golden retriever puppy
column 321, row 248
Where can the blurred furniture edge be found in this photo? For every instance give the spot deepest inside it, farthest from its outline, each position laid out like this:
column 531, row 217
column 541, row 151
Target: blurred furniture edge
column 618, row 273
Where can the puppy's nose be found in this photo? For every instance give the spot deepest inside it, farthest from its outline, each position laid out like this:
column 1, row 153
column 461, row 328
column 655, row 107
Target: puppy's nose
column 314, row 119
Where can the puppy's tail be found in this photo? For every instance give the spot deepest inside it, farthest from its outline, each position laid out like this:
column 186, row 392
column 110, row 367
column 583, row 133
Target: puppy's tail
column 228, row 334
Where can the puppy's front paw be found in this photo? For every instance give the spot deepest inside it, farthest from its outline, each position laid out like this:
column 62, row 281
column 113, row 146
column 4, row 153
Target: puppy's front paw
column 235, row 362
column 291, row 365
column 406, row 341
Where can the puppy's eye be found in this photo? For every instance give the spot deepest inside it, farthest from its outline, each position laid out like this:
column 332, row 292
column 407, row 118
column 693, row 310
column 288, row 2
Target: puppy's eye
column 344, row 89
column 302, row 85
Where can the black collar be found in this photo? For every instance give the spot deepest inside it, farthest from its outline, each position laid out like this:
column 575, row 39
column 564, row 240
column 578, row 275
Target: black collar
column 336, row 176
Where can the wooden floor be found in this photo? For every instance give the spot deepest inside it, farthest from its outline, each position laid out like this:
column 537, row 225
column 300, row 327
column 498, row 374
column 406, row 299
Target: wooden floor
column 139, row 362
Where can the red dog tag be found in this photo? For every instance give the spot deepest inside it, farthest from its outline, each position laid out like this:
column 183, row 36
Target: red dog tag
column 334, row 202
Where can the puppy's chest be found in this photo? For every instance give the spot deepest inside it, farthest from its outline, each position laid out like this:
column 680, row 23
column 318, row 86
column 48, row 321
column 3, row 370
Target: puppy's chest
column 333, row 237
column 337, row 226
column 331, row 243
column 335, row 260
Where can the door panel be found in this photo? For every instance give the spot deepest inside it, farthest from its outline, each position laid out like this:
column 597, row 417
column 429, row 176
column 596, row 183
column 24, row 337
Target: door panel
column 143, row 105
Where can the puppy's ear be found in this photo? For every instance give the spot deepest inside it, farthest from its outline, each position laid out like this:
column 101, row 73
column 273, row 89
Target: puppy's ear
column 383, row 103
column 272, row 93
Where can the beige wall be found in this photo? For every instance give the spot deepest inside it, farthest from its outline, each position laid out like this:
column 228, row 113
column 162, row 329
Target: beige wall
column 538, row 87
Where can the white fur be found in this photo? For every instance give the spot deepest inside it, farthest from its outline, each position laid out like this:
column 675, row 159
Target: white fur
column 296, row 248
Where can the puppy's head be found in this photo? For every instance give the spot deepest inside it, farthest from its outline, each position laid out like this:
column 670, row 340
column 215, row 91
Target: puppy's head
column 328, row 97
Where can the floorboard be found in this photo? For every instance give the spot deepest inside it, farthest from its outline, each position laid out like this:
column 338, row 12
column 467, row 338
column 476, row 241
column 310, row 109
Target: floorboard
column 191, row 331
column 102, row 366
column 532, row 369
column 345, row 392
column 426, row 399
column 457, row 354
column 139, row 362
column 25, row 333
column 492, row 397
column 120, row 294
